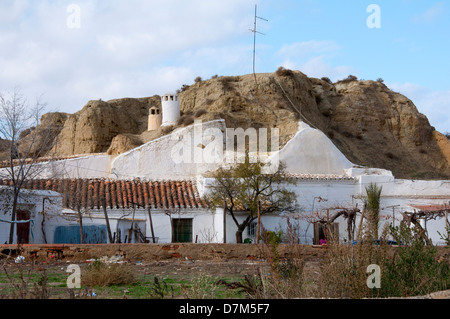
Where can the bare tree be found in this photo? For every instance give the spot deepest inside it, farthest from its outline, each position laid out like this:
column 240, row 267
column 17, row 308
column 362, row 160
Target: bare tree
column 348, row 214
column 25, row 139
column 416, row 216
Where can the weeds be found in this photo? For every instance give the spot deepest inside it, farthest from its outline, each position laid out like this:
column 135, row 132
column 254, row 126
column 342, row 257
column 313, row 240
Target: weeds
column 101, row 274
column 201, row 287
column 161, row 291
column 25, row 285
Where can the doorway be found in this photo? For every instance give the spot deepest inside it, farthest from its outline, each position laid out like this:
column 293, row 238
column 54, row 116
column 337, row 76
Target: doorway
column 324, row 233
column 23, row 229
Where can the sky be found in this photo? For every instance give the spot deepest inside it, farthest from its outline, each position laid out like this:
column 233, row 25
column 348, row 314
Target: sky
column 70, row 52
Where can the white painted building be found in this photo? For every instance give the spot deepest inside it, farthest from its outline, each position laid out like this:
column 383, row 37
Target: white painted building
column 326, row 179
column 36, row 212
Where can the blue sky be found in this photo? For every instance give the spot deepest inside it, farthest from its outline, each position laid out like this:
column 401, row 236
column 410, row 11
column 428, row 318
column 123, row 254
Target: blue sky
column 116, row 48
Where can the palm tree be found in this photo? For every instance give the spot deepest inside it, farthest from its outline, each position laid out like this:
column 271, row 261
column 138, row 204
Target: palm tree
column 373, row 207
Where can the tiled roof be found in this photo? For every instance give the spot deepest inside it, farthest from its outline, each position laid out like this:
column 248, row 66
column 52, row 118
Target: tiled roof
column 430, row 208
column 90, row 193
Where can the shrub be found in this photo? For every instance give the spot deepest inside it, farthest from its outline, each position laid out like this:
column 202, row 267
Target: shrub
column 343, row 272
column 200, row 112
column 326, row 79
column 26, row 132
column 350, row 78
column 186, row 119
column 167, row 129
column 197, row 79
column 184, row 87
column 101, row 274
column 281, row 71
column 390, row 155
column 414, row 269
column 227, row 80
column 348, row 134
column 286, row 276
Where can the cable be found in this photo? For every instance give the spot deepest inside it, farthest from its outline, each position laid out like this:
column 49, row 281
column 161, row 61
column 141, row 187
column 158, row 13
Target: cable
column 293, row 105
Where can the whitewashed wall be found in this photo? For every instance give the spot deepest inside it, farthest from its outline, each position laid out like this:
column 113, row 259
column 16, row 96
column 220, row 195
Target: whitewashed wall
column 310, row 151
column 89, row 166
column 205, row 227
column 33, row 201
column 173, row 156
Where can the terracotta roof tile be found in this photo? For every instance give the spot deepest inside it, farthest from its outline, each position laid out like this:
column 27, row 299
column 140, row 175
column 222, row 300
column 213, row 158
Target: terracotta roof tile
column 430, row 208
column 91, row 193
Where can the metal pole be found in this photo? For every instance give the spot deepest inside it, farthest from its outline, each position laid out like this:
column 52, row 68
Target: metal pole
column 254, row 41
column 254, row 44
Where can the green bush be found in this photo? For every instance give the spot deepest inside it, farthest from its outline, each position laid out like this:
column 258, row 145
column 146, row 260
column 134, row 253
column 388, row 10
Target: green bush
column 414, row 269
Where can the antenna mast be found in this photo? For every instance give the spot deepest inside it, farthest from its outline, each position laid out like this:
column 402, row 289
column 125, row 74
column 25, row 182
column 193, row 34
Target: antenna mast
column 255, row 31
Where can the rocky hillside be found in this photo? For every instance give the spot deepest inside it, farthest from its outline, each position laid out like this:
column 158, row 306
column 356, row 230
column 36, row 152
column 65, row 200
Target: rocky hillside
column 372, row 125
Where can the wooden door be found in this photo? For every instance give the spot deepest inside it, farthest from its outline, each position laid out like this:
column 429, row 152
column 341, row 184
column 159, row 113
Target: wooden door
column 23, row 229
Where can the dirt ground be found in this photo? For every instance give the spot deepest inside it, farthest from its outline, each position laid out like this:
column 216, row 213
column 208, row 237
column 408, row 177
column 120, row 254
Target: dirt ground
column 183, row 262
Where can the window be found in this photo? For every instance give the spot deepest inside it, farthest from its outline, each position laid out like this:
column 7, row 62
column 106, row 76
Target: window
column 182, row 230
column 252, row 229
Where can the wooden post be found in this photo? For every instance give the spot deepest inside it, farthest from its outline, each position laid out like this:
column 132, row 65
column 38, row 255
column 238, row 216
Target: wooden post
column 358, row 234
column 446, row 215
column 151, row 223
column 258, row 230
column 225, row 222
column 111, row 240
column 447, row 225
column 132, row 226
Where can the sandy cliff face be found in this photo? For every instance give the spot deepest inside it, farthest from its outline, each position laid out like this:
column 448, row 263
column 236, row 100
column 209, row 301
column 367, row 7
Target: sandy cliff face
column 92, row 129
column 372, row 125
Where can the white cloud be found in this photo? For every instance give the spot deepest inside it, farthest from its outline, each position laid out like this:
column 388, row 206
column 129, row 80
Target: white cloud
column 318, row 67
column 302, row 50
column 123, row 48
column 313, row 59
column 434, row 104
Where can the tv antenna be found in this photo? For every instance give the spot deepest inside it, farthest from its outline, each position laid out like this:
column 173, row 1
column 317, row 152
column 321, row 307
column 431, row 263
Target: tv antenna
column 255, row 31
